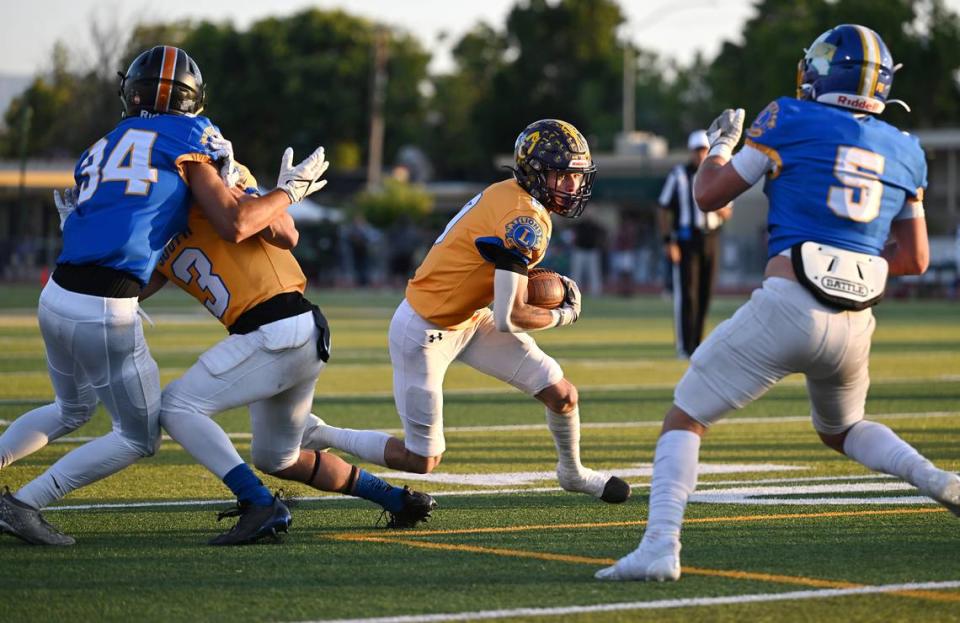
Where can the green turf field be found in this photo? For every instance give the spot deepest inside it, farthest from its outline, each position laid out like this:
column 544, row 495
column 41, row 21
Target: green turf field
column 782, row 529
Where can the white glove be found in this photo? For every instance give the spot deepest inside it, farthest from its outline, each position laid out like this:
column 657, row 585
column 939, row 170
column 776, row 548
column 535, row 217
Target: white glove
column 304, row 179
column 222, row 152
column 66, row 203
column 569, row 312
column 724, row 133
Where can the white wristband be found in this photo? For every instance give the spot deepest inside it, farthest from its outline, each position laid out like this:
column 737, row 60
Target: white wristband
column 720, row 149
column 562, row 317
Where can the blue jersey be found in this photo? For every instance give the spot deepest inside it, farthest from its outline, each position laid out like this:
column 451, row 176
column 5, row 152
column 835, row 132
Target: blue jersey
column 133, row 194
column 839, row 178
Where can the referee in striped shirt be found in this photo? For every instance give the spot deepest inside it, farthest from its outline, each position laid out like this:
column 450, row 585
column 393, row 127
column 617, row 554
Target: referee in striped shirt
column 691, row 243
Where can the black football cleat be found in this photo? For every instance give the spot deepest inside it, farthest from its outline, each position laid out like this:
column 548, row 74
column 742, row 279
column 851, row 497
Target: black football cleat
column 28, row 524
column 417, row 507
column 255, row 523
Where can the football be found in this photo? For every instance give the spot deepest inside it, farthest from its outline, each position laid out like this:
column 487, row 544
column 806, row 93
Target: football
column 545, row 288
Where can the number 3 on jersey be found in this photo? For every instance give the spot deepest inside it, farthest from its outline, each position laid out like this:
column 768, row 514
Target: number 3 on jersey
column 858, row 170
column 128, row 162
column 207, row 281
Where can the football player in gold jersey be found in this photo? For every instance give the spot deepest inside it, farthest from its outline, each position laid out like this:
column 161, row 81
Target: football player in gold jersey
column 279, row 343
column 482, row 257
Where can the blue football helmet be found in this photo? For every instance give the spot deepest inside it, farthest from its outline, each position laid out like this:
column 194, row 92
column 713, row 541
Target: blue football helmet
column 848, row 66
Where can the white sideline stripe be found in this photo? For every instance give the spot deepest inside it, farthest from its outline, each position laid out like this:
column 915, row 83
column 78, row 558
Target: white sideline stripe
column 504, row 390
column 317, row 498
column 703, row 486
column 660, row 604
column 595, row 425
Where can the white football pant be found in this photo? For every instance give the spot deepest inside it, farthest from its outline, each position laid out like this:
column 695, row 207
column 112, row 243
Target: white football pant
column 781, row 330
column 421, row 353
column 95, row 351
column 273, row 370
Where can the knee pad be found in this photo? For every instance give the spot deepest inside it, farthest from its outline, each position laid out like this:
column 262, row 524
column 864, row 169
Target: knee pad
column 146, row 446
column 172, row 403
column 537, row 374
column 73, row 415
column 423, row 422
column 271, row 460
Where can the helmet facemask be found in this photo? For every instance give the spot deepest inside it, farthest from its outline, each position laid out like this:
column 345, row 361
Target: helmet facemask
column 569, row 191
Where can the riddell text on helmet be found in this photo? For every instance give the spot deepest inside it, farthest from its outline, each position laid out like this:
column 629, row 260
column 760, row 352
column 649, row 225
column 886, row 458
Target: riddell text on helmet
column 857, row 102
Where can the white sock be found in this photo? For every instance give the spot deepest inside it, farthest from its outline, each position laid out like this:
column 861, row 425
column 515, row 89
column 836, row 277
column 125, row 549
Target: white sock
column 31, row 431
column 202, row 438
column 565, row 428
column 367, row 445
column 90, row 462
column 876, row 447
column 674, row 479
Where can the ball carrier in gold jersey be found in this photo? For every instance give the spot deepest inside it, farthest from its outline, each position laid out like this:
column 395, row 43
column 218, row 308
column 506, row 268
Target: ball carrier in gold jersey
column 482, row 257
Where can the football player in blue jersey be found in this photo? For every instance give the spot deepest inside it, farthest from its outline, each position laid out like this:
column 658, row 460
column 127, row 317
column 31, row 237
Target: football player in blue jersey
column 134, row 188
column 840, row 182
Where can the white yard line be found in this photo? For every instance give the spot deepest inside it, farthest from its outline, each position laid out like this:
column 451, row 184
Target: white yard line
column 501, row 390
column 782, row 419
column 704, row 486
column 324, row 498
column 660, row 604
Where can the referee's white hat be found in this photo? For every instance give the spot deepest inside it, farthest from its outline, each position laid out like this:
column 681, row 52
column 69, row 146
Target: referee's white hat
column 698, row 140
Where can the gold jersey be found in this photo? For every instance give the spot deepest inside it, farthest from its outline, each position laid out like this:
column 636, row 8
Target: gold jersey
column 228, row 278
column 456, row 278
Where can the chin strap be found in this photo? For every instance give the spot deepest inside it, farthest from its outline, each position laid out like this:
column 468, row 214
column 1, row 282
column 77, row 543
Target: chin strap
column 902, row 103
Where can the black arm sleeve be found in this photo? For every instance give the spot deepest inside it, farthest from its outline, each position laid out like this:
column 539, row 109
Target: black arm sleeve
column 502, row 258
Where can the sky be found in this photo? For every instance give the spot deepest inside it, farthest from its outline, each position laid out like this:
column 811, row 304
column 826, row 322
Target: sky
column 673, row 28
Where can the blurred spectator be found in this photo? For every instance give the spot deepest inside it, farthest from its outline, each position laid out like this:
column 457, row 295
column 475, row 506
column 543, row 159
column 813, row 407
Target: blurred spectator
column 955, row 291
column 359, row 235
column 623, row 261
column 417, row 164
column 691, row 243
column 587, row 255
column 404, row 239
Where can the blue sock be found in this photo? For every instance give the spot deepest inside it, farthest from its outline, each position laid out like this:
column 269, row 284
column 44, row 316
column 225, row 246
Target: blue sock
column 369, row 487
column 247, row 487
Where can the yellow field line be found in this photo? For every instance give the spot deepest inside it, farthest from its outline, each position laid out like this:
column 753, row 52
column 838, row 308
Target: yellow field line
column 620, row 524
column 735, row 575
column 549, row 556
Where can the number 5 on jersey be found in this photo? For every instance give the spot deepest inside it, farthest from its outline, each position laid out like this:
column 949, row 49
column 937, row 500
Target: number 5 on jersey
column 858, row 199
column 128, row 162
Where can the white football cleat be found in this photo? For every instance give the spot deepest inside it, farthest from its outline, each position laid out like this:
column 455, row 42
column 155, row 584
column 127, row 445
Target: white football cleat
column 944, row 487
column 659, row 562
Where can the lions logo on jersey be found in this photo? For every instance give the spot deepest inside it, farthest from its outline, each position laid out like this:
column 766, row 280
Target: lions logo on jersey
column 524, row 233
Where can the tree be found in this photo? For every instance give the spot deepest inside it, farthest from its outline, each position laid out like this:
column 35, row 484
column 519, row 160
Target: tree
column 394, row 201
column 300, row 80
column 922, row 34
column 565, row 63
column 304, row 80
column 552, row 60
column 456, row 140
column 48, row 96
